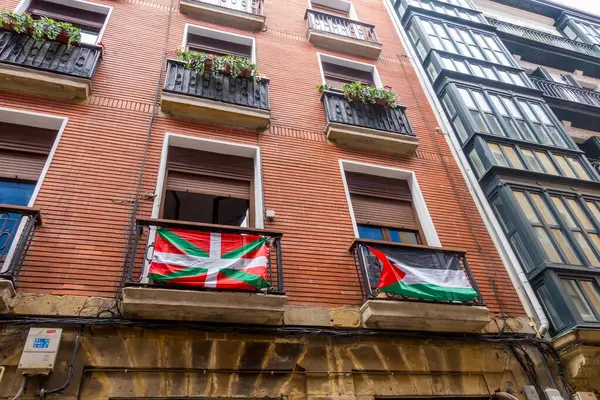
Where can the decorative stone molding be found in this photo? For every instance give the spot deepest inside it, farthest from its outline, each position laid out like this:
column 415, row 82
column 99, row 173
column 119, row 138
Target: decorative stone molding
column 7, row 292
column 579, row 352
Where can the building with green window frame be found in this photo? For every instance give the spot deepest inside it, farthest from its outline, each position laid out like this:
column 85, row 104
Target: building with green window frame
column 516, row 88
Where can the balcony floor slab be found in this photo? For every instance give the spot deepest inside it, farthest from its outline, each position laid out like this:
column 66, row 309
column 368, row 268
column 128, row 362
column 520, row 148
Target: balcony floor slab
column 7, row 292
column 213, row 111
column 371, row 139
column 44, row 84
column 343, row 44
column 189, row 305
column 422, row 316
column 221, row 15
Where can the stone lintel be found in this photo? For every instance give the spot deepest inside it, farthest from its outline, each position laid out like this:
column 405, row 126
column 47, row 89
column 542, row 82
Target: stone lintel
column 214, row 111
column 222, row 15
column 421, row 316
column 371, row 139
column 343, row 43
column 7, row 292
column 44, row 84
column 190, row 305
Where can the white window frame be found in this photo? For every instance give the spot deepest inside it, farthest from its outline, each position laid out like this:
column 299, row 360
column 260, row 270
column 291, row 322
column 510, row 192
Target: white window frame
column 342, row 5
column 429, row 231
column 36, row 120
column 220, row 35
column 344, row 62
column 81, row 4
column 213, row 146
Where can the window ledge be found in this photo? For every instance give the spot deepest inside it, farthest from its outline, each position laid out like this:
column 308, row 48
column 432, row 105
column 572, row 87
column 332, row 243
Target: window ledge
column 44, row 84
column 423, row 316
column 371, row 139
column 343, row 44
column 7, row 292
column 189, row 305
column 222, row 15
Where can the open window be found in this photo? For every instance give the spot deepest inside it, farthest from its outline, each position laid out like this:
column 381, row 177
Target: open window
column 89, row 17
column 218, row 43
column 338, row 71
column 209, row 188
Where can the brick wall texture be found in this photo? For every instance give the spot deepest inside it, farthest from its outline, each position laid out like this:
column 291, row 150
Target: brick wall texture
column 87, row 195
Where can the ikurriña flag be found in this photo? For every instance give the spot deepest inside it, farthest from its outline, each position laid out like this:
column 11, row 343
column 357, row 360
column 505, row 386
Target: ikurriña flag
column 210, row 260
column 426, row 276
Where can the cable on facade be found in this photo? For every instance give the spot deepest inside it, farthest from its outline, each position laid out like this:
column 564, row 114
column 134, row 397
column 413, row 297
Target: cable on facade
column 43, row 392
column 22, row 388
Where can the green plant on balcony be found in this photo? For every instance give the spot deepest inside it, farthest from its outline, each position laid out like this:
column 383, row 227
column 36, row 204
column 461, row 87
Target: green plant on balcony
column 224, row 65
column 357, row 91
column 44, row 28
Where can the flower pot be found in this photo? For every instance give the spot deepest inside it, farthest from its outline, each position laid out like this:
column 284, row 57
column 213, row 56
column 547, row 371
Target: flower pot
column 228, row 69
column 208, row 65
column 382, row 102
column 353, row 97
column 62, row 37
column 8, row 26
column 247, row 73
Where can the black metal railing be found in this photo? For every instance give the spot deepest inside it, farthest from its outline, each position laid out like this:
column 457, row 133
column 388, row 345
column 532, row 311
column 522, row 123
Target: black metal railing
column 374, row 116
column 368, row 268
column 341, row 26
column 567, row 92
column 546, row 38
column 241, row 91
column 254, row 7
column 24, row 51
column 143, row 249
column 17, row 228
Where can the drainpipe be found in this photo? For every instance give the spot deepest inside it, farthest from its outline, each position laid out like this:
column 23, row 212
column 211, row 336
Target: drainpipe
column 518, row 277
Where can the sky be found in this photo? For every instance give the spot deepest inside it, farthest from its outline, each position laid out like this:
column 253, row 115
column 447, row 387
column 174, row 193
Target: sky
column 591, row 6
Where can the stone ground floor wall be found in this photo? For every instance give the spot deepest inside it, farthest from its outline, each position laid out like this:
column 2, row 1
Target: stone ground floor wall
column 136, row 363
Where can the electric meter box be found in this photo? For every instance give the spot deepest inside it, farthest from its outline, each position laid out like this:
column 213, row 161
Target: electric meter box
column 584, row 396
column 39, row 353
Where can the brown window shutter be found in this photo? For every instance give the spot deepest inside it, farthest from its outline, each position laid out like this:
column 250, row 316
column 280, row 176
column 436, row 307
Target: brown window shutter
column 77, row 16
column 205, row 184
column 337, row 73
column 21, row 165
column 207, row 163
column 329, row 10
column 369, row 210
column 371, row 185
column 218, row 47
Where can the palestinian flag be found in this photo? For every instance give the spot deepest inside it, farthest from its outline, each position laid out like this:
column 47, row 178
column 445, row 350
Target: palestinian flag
column 426, row 276
column 210, row 260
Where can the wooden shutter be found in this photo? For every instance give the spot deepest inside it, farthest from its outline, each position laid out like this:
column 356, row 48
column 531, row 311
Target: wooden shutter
column 23, row 151
column 209, row 173
column 218, row 47
column 334, row 74
column 329, row 10
column 205, row 184
column 381, row 201
column 74, row 15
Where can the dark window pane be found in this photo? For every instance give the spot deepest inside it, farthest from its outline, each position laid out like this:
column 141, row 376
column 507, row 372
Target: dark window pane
column 17, row 194
column 208, row 209
column 403, row 236
column 370, row 232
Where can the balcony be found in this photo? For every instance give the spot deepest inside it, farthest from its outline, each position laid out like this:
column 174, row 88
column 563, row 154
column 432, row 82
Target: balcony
column 218, row 99
column 208, row 286
column 419, row 307
column 546, row 49
column 17, row 227
column 46, row 68
column 579, row 106
column 242, row 14
column 342, row 34
column 367, row 126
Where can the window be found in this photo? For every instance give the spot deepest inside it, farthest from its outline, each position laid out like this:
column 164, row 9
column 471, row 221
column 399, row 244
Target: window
column 218, row 43
column 585, row 297
column 590, row 31
column 339, row 71
column 480, row 111
column 339, row 8
column 472, row 68
column 383, row 208
column 455, row 118
column 23, row 154
column 209, row 188
column 89, row 17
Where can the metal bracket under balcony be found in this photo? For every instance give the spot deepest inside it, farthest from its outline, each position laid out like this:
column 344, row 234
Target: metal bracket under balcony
column 190, row 301
column 416, row 309
column 342, row 34
column 242, row 14
column 219, row 99
column 367, row 126
column 46, row 68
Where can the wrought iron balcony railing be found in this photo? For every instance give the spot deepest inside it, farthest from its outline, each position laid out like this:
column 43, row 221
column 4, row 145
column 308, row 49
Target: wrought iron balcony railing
column 341, row 26
column 17, row 227
column 567, row 92
column 239, row 91
column 24, row 51
column 254, row 7
column 142, row 254
column 374, row 116
column 545, row 38
column 369, row 268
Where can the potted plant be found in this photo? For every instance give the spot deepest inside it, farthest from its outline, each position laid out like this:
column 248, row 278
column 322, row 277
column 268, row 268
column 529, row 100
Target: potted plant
column 47, row 28
column 225, row 65
column 17, row 22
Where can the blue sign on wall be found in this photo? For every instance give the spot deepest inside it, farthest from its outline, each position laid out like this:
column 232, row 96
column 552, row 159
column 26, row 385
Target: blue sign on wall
column 41, row 343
